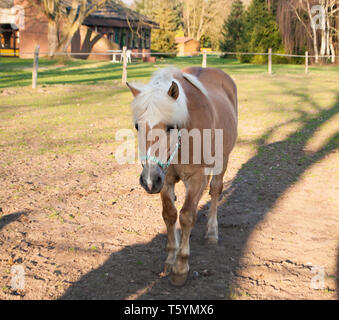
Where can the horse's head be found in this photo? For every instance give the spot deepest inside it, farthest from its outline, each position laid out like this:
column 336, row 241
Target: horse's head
column 160, row 145
column 159, row 110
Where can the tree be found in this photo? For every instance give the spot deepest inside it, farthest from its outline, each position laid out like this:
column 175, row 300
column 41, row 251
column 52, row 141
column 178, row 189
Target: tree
column 197, row 19
column 65, row 19
column 198, row 15
column 168, row 16
column 320, row 22
column 233, row 28
column 261, row 31
column 163, row 39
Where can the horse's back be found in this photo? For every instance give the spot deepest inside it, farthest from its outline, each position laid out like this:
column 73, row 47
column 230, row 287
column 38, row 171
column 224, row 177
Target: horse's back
column 216, row 82
column 222, row 93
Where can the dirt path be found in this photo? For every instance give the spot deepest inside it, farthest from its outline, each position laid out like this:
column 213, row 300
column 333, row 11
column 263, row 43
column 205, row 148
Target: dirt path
column 82, row 228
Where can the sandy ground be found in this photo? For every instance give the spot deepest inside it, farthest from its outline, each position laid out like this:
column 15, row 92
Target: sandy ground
column 81, row 227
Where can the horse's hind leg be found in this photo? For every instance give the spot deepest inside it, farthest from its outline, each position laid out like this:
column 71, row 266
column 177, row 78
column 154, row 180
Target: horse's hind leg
column 169, row 213
column 216, row 185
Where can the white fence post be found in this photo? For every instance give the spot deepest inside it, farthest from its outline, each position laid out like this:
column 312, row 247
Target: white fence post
column 124, row 66
column 270, row 61
column 204, row 59
column 35, row 66
column 306, row 62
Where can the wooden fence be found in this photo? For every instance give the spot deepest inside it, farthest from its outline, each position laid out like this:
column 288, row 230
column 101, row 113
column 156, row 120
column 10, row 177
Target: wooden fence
column 125, row 57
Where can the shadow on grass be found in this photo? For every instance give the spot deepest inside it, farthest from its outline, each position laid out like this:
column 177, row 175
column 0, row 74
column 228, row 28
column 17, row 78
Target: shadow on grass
column 250, row 196
column 76, row 75
column 16, row 73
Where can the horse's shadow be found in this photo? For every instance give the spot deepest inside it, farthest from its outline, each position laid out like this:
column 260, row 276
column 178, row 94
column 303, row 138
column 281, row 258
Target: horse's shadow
column 250, row 195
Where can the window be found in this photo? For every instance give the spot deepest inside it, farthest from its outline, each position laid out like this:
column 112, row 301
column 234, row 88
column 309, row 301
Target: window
column 131, row 39
column 123, row 38
column 147, row 39
column 135, row 41
column 117, row 35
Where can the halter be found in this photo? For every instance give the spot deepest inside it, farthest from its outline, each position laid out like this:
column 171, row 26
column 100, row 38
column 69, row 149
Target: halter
column 164, row 166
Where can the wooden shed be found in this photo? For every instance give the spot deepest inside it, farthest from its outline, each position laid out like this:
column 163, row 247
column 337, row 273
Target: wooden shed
column 187, row 46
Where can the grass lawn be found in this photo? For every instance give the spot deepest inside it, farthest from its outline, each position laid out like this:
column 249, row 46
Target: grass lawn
column 82, row 103
column 18, row 72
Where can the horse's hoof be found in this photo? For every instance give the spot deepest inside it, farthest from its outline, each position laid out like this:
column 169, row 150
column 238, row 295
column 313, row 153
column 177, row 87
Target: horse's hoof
column 167, row 269
column 211, row 242
column 178, row 280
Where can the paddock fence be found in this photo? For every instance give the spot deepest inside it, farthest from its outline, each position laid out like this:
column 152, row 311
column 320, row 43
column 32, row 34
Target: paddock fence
column 125, row 56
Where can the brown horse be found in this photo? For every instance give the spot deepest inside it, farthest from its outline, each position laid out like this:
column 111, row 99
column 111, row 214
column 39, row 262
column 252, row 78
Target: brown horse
column 180, row 103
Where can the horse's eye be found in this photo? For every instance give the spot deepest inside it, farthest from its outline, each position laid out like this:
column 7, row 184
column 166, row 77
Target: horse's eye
column 136, row 126
column 169, row 128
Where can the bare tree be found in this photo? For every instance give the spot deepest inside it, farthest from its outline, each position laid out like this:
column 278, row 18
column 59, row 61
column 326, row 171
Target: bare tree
column 65, row 17
column 198, row 15
column 54, row 12
column 319, row 24
column 195, row 17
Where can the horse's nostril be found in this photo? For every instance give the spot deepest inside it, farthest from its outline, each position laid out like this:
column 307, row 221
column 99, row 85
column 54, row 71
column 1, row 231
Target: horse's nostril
column 142, row 180
column 159, row 179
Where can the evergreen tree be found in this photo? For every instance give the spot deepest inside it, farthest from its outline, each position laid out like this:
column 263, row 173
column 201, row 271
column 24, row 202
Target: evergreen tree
column 233, row 28
column 163, row 39
column 261, row 32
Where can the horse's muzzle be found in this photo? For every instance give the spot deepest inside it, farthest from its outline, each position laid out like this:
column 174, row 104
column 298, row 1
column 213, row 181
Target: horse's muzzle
column 152, row 178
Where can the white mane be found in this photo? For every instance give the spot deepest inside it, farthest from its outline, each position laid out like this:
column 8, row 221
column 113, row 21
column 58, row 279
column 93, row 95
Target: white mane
column 195, row 81
column 154, row 105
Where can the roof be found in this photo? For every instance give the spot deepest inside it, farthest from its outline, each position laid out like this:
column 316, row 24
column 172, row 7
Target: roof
column 113, row 12
column 183, row 39
column 110, row 14
column 117, row 11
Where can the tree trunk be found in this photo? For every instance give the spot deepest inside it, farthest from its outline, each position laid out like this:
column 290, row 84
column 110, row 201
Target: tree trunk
column 332, row 53
column 315, row 46
column 314, row 30
column 323, row 45
column 52, row 38
column 67, row 36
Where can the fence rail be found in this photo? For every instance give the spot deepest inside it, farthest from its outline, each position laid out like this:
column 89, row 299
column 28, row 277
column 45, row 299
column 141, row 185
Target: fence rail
column 125, row 57
column 193, row 53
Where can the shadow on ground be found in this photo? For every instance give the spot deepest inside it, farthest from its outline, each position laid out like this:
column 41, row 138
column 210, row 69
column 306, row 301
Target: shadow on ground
column 250, row 196
column 9, row 218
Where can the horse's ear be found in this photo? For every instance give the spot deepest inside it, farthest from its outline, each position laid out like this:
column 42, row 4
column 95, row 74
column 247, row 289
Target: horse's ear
column 173, row 91
column 134, row 91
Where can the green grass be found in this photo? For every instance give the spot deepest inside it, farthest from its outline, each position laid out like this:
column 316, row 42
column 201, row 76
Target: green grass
column 18, row 72
column 80, row 104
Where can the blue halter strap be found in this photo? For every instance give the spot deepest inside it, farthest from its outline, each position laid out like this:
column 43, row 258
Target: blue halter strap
column 164, row 166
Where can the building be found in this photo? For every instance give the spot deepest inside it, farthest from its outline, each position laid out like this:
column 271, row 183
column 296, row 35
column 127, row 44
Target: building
column 22, row 26
column 9, row 32
column 187, row 46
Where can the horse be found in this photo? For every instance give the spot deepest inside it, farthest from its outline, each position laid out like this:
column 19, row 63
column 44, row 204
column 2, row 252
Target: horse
column 191, row 99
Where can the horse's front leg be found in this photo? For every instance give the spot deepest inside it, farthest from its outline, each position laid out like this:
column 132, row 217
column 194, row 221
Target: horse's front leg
column 169, row 213
column 195, row 186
